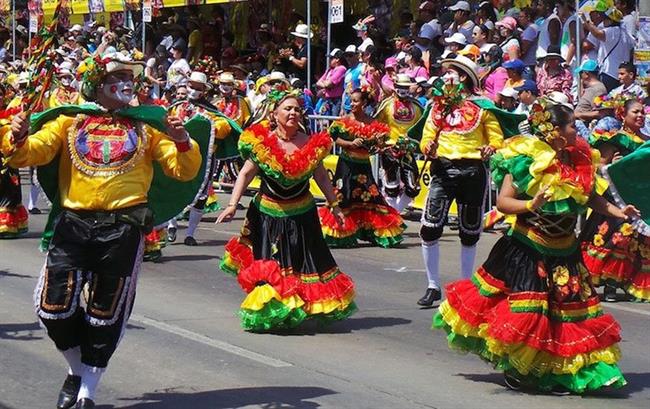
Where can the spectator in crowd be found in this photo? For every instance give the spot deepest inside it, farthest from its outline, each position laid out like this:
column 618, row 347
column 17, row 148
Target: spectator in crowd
column 615, row 48
column 627, row 8
column 296, row 56
column 509, row 38
column 361, row 28
column 515, row 70
column 352, row 78
column 330, row 85
column 591, row 44
column 529, row 38
column 481, row 37
column 551, row 30
column 485, row 13
column 415, row 64
column 472, row 52
column 591, row 88
column 455, row 42
column 179, row 70
column 462, row 24
column 195, row 41
column 553, row 76
column 387, row 81
column 627, row 77
column 507, row 99
column 528, row 94
column 494, row 75
column 430, row 30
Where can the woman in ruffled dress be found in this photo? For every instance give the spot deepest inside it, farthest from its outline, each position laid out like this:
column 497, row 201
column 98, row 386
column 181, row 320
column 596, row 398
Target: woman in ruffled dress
column 530, row 309
column 281, row 259
column 616, row 255
column 367, row 215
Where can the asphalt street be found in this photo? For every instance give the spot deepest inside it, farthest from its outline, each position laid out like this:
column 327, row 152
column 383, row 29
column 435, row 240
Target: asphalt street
column 184, row 347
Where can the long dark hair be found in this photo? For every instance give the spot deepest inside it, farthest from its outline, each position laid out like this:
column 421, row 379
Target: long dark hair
column 561, row 115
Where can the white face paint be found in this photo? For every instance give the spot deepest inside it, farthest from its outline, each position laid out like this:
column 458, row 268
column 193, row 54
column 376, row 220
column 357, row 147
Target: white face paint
column 121, row 91
column 451, row 77
column 225, row 89
column 194, row 94
column 402, row 92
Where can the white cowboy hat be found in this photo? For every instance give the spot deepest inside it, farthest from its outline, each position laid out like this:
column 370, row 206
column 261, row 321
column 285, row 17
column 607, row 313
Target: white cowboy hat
column 302, row 31
column 122, row 62
column 226, row 78
column 200, row 78
column 278, row 76
column 464, row 64
column 403, row 80
column 558, row 98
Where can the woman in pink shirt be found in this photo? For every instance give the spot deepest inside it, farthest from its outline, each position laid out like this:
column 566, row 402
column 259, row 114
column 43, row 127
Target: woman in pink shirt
column 330, row 85
column 493, row 75
column 416, row 66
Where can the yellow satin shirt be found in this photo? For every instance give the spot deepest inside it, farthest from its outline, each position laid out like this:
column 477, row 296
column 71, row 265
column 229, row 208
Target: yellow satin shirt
column 186, row 110
column 399, row 115
column 106, row 163
column 466, row 130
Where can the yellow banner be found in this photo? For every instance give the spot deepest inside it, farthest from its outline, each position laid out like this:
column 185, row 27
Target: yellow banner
column 79, row 7
column 113, row 5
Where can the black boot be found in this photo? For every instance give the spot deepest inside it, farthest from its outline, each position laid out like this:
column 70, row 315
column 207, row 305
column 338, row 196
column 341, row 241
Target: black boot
column 69, row 392
column 610, row 293
column 190, row 241
column 432, row 295
column 85, row 403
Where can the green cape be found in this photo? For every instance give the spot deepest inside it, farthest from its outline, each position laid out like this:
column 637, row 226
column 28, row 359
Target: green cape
column 167, row 197
column 629, row 184
column 509, row 122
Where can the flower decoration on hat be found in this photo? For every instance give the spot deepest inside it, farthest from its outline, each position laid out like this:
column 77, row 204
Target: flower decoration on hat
column 91, row 71
column 209, row 67
column 615, row 102
column 540, row 121
column 276, row 96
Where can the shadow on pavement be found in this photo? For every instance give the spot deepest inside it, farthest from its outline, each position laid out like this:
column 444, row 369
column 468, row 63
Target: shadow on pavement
column 5, row 273
column 20, row 331
column 188, row 257
column 636, row 382
column 270, row 397
column 342, row 327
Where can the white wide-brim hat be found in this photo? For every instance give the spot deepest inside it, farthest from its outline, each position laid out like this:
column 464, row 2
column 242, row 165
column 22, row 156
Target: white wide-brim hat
column 464, row 64
column 302, row 31
column 122, row 62
column 200, row 78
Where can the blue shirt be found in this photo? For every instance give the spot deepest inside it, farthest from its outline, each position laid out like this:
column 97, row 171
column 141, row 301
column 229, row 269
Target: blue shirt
column 352, row 81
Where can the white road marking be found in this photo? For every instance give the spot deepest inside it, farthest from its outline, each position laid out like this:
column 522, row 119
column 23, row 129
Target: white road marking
column 211, row 342
column 626, row 308
column 404, row 269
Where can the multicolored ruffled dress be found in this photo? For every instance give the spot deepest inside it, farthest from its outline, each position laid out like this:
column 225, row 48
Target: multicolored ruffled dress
column 530, row 309
column 13, row 215
column 154, row 242
column 368, row 216
column 614, row 253
column 281, row 259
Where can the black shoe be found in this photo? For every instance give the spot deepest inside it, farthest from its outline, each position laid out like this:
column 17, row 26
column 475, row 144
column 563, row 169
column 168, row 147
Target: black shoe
column 511, row 382
column 559, row 390
column 432, row 295
column 171, row 234
column 189, row 241
column 610, row 293
column 35, row 210
column 85, row 403
column 69, row 392
column 153, row 256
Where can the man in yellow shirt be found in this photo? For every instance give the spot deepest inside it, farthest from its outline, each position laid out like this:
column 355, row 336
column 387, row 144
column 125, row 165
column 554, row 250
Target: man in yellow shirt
column 398, row 168
column 458, row 136
column 105, row 169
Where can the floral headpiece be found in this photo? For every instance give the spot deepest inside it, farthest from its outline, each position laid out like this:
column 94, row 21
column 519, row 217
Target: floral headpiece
column 91, row 71
column 209, row 67
column 540, row 123
column 616, row 102
column 276, row 96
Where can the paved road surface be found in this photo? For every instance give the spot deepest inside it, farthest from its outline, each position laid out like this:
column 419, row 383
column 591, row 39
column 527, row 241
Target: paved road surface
column 184, row 347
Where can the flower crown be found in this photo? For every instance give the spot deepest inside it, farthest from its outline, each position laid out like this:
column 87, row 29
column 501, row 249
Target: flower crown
column 539, row 119
column 616, row 102
column 276, row 96
column 91, row 71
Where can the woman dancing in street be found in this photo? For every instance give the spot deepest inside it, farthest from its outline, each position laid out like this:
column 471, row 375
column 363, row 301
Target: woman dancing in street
column 367, row 215
column 281, row 258
column 530, row 309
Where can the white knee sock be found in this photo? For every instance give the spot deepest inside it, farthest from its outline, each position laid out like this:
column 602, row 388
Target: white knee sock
column 34, row 191
column 195, row 218
column 467, row 256
column 431, row 255
column 402, row 202
column 89, row 381
column 392, row 202
column 73, row 357
column 172, row 224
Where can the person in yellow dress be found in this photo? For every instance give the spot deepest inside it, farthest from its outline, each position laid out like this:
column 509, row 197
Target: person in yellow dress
column 458, row 136
column 104, row 154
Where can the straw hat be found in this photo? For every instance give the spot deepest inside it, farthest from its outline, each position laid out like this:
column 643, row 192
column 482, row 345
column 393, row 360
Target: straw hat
column 403, row 80
column 200, row 78
column 465, row 65
column 226, row 78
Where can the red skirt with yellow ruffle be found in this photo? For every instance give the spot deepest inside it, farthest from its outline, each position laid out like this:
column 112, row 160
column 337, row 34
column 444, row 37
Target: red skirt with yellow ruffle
column 285, row 267
column 535, row 316
column 13, row 215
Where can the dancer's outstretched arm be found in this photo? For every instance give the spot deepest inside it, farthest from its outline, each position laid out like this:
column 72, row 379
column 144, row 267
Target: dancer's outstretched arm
column 246, row 175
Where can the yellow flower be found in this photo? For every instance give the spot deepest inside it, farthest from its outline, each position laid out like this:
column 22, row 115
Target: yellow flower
column 626, row 229
column 598, row 240
column 560, row 275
